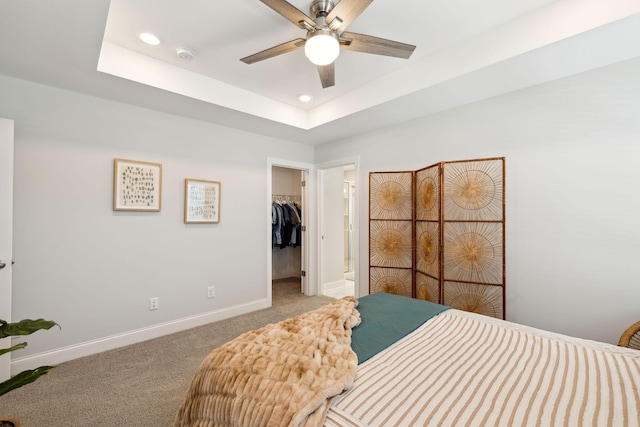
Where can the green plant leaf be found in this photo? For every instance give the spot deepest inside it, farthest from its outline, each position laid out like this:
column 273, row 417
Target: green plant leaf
column 24, row 327
column 15, row 347
column 23, row 378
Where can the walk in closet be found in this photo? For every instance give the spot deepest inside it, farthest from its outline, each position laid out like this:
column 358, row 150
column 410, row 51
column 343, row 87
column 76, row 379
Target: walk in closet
column 286, row 244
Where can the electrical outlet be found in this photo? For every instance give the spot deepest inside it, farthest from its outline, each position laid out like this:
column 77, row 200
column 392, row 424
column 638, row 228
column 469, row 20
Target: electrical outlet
column 153, row 303
column 211, row 292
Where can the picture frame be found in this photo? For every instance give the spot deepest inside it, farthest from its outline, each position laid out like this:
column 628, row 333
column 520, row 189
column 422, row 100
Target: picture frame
column 201, row 201
column 137, row 185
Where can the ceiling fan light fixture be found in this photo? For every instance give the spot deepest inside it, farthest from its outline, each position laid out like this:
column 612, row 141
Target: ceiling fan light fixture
column 322, row 47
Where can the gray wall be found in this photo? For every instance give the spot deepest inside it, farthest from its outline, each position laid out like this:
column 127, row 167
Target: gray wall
column 93, row 270
column 572, row 151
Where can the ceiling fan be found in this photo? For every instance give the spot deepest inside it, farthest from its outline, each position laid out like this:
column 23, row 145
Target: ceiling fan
column 326, row 35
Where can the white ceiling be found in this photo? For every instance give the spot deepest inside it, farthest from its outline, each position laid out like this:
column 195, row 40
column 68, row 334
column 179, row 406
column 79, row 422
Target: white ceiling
column 466, row 51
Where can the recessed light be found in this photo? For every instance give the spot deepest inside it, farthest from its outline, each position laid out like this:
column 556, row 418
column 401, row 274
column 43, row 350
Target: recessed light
column 149, row 38
column 304, row 98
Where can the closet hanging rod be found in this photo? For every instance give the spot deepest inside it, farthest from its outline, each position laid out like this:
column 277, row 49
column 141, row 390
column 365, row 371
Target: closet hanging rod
column 286, row 198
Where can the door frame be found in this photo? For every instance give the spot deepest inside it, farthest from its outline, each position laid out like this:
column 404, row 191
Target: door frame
column 6, row 234
column 347, row 161
column 309, row 282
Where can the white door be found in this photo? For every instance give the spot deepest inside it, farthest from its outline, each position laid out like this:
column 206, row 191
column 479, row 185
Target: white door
column 332, row 230
column 333, row 280
column 304, row 283
column 6, row 234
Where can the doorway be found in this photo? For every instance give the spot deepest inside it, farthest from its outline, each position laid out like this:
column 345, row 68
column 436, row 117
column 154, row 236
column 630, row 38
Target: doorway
column 287, row 225
column 338, row 229
column 296, row 180
column 348, row 191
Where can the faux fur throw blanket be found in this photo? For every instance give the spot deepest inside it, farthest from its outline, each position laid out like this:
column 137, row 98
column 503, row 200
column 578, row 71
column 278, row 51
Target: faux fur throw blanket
column 284, row 374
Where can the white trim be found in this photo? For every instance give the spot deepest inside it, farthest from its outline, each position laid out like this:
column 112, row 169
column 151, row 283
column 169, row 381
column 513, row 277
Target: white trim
column 346, row 161
column 327, row 288
column 337, row 289
column 87, row 348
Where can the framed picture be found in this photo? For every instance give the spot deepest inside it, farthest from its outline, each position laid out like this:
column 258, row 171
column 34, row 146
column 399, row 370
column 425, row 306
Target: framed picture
column 137, row 185
column 201, row 201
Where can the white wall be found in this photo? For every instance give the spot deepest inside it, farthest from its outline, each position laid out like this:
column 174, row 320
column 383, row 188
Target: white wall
column 572, row 151
column 93, row 270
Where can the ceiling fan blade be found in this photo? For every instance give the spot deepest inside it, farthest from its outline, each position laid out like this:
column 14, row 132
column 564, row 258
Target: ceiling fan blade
column 290, row 12
column 274, row 51
column 327, row 75
column 376, row 45
column 346, row 11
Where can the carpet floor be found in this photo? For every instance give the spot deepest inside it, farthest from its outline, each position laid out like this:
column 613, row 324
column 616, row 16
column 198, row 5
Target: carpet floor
column 142, row 384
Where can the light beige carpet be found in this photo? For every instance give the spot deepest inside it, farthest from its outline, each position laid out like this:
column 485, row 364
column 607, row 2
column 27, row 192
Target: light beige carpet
column 142, row 384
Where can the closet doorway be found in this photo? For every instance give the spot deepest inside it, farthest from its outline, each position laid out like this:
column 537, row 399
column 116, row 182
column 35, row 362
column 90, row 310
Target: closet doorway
column 288, row 231
column 338, row 230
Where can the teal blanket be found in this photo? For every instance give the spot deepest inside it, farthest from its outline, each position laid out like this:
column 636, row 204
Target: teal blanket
column 385, row 319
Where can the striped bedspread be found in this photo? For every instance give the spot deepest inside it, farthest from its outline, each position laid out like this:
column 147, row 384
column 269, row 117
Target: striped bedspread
column 463, row 369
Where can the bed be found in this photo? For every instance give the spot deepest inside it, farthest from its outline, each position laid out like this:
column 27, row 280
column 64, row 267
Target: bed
column 386, row 360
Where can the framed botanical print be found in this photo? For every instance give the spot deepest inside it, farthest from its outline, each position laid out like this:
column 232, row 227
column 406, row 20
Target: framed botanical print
column 137, row 185
column 201, row 201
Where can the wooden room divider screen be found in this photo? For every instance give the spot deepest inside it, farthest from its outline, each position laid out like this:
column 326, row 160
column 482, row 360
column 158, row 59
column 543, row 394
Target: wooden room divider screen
column 438, row 234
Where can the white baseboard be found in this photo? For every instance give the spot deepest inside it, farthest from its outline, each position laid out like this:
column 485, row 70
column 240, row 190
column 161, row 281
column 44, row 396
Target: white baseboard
column 336, row 289
column 75, row 351
column 332, row 285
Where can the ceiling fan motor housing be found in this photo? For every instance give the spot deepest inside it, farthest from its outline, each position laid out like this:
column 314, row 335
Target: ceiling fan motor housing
column 321, row 7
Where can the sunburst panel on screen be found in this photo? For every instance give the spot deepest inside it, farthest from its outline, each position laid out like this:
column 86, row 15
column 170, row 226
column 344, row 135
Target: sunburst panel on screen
column 482, row 299
column 395, row 281
column 428, row 248
column 473, row 190
column 427, row 288
column 390, row 244
column 390, row 195
column 473, row 252
column 428, row 194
